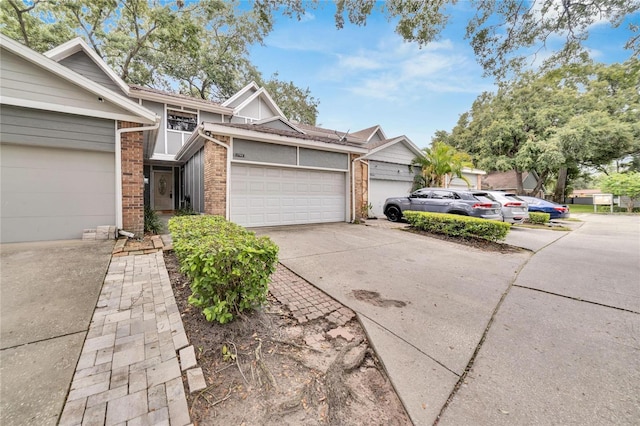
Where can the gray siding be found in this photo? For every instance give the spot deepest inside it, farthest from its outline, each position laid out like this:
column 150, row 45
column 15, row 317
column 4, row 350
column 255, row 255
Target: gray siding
column 210, row 117
column 376, row 137
column 324, row 159
column 529, row 182
column 193, row 179
column 258, row 110
column 26, row 81
column 242, row 98
column 52, row 129
column 83, row 65
column 396, row 153
column 390, row 171
column 244, row 150
column 158, row 108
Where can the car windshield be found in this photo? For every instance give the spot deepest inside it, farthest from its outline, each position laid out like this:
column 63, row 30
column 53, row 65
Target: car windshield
column 515, row 198
column 483, row 198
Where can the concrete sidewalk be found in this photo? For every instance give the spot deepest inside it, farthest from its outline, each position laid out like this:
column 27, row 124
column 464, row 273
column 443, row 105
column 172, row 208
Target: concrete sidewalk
column 41, row 332
column 537, row 337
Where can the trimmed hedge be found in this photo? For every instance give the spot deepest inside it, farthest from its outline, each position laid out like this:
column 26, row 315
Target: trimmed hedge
column 539, row 218
column 229, row 267
column 457, row 225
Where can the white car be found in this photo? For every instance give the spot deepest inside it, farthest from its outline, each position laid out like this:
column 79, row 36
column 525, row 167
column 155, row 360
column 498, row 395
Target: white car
column 514, row 208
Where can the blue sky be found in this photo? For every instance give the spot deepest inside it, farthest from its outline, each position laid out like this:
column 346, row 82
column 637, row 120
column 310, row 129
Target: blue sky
column 368, row 75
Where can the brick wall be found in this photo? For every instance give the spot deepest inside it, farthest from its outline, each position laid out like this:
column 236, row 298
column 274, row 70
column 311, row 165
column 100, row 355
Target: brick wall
column 360, row 171
column 215, row 176
column 132, row 179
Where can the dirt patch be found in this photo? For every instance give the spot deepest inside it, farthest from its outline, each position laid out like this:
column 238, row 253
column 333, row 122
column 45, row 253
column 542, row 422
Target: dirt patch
column 477, row 243
column 276, row 371
column 374, row 298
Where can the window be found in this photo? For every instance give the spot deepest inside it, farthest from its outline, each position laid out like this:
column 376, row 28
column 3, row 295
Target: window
column 443, row 194
column 181, row 120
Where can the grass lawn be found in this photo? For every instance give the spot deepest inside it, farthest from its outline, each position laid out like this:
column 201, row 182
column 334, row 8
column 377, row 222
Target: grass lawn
column 579, row 208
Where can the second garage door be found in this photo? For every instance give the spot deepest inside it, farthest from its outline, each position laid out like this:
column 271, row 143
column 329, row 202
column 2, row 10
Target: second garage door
column 270, row 196
column 380, row 190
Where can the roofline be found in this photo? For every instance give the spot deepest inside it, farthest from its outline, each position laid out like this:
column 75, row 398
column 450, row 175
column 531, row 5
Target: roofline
column 65, row 73
column 282, row 119
column 78, row 44
column 258, row 136
column 473, row 171
column 394, row 141
column 261, row 92
column 240, row 92
column 158, row 97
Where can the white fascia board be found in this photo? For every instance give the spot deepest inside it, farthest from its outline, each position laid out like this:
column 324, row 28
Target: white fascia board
column 168, row 99
column 258, row 136
column 384, row 136
column 47, row 106
column 140, row 113
column 193, row 144
column 282, row 120
column 76, row 45
column 392, row 142
column 473, row 171
column 262, row 93
column 241, row 92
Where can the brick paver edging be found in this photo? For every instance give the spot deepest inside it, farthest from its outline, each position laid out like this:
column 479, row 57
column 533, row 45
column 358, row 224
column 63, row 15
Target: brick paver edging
column 128, row 371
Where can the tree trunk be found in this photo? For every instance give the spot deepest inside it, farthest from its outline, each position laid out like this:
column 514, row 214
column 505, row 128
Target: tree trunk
column 519, row 188
column 561, row 184
column 541, row 179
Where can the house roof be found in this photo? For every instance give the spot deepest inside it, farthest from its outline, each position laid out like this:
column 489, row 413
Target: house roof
column 292, row 133
column 77, row 45
column 377, row 146
column 330, row 133
column 131, row 110
column 502, row 180
column 177, row 98
column 368, row 133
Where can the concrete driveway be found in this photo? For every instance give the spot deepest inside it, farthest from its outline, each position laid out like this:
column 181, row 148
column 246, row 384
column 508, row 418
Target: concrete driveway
column 434, row 310
column 48, row 294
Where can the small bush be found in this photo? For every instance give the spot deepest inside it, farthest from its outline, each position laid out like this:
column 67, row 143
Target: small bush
column 617, row 209
column 229, row 267
column 538, row 218
column 151, row 221
column 458, row 226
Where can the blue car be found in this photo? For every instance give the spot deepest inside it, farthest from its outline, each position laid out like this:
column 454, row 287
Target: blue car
column 555, row 210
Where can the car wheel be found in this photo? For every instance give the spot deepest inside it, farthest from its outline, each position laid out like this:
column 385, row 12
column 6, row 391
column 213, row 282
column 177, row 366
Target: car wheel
column 393, row 214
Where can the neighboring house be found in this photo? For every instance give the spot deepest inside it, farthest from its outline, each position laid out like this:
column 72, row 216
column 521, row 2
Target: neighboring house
column 473, row 176
column 81, row 148
column 507, row 181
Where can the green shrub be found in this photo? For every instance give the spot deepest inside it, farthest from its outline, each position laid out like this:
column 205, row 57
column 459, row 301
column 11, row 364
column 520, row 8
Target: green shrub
column 539, row 218
column 458, row 226
column 617, row 209
column 229, row 267
column 151, row 221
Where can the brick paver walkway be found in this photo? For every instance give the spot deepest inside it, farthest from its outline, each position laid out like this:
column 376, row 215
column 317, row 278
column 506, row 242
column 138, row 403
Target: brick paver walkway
column 305, row 301
column 128, row 372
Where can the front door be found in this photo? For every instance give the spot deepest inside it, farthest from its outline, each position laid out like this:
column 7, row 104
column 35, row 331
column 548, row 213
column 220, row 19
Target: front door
column 162, row 190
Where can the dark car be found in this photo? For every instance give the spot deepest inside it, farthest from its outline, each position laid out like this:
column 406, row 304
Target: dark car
column 555, row 210
column 444, row 200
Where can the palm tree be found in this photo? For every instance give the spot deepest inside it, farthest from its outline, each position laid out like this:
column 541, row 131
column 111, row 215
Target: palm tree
column 439, row 162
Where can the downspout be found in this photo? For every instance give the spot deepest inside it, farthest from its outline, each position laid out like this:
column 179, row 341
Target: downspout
column 228, row 185
column 119, row 133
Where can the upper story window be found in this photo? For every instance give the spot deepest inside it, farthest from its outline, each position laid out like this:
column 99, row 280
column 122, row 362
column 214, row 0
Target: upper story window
column 183, row 121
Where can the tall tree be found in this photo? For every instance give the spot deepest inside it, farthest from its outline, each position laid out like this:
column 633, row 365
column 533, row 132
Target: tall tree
column 499, row 31
column 201, row 47
column 576, row 116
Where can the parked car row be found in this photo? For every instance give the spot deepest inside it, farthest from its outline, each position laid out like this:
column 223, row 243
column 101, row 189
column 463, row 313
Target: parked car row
column 494, row 205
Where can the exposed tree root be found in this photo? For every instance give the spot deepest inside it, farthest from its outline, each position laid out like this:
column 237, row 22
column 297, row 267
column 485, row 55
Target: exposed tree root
column 337, row 391
column 263, row 367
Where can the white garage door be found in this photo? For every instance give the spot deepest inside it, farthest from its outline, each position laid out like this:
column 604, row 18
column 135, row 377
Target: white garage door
column 380, row 190
column 268, row 196
column 53, row 194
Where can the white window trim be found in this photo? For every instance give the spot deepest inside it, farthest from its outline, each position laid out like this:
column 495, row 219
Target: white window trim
column 183, row 133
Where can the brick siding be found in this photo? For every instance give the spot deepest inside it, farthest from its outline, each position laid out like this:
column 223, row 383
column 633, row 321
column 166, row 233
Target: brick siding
column 215, row 176
column 360, row 171
column 132, row 179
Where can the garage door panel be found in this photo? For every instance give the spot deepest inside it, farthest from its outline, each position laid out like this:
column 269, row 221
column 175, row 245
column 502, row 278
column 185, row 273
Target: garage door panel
column 52, row 194
column 380, row 190
column 288, row 196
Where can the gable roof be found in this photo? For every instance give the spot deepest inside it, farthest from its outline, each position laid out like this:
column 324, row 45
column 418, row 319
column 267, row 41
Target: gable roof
column 378, row 146
column 132, row 111
column 330, row 133
column 369, row 132
column 243, row 93
column 265, row 122
column 79, row 45
column 263, row 95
